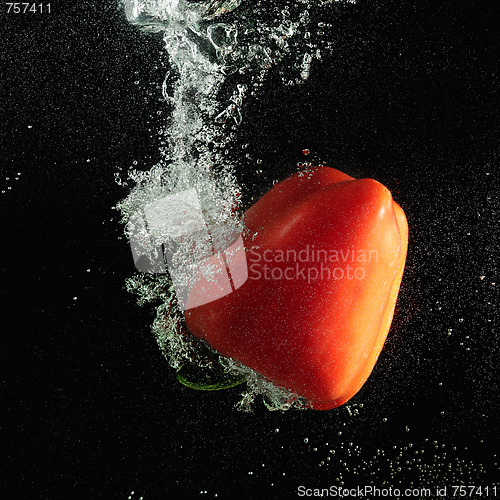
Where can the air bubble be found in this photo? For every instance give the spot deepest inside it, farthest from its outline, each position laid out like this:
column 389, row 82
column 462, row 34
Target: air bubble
column 195, row 146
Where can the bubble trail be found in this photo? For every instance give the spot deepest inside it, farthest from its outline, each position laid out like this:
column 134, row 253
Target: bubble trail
column 203, row 54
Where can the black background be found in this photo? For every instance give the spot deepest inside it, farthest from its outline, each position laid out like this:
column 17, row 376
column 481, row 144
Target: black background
column 409, row 96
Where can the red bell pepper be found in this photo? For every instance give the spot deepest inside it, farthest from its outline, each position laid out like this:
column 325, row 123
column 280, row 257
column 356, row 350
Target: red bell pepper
column 325, row 256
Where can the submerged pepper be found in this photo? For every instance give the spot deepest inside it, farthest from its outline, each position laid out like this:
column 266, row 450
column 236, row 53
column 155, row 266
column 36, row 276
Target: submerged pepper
column 324, row 256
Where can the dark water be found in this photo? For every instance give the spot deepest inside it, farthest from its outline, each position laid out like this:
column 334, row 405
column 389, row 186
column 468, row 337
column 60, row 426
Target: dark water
column 93, row 410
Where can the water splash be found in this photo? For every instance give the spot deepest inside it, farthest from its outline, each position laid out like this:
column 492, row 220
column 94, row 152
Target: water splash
column 204, row 56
